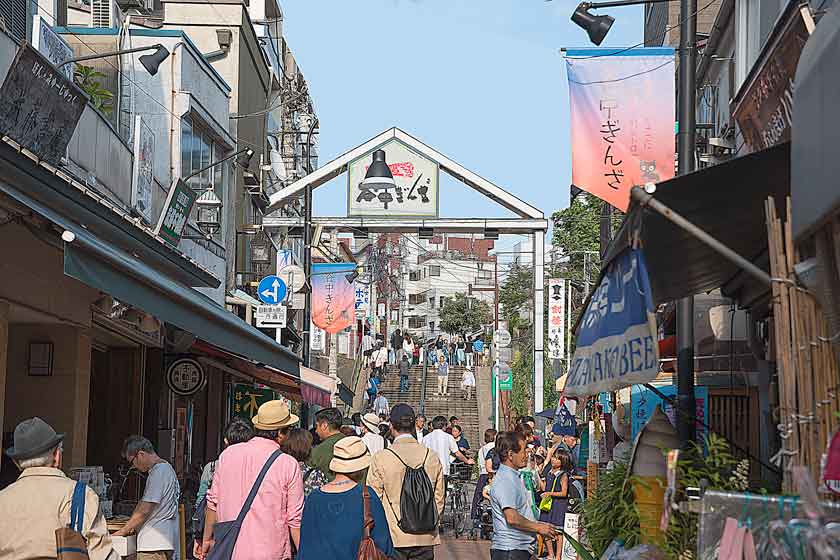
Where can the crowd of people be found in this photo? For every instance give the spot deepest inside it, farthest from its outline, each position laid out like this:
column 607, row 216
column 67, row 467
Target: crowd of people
column 278, row 491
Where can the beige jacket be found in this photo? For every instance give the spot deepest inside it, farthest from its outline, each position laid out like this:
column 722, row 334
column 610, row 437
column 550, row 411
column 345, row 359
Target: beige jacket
column 35, row 506
column 386, row 477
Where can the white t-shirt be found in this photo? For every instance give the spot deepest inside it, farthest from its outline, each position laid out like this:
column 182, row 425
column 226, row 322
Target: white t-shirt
column 482, row 456
column 380, row 405
column 443, row 445
column 408, row 346
column 374, row 442
column 160, row 531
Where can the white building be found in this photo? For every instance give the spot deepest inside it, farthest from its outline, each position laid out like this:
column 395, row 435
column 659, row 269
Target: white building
column 438, row 268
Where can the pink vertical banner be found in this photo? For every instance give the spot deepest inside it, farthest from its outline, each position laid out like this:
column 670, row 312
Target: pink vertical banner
column 333, row 298
column 622, row 119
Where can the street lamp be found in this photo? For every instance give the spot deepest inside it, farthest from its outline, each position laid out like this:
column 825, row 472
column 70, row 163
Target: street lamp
column 596, row 27
column 151, row 62
column 378, row 178
column 208, row 205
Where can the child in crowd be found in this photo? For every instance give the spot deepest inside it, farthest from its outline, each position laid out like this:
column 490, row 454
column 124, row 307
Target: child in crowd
column 555, row 484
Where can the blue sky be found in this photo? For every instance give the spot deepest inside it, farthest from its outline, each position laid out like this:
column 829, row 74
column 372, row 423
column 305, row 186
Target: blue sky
column 482, row 81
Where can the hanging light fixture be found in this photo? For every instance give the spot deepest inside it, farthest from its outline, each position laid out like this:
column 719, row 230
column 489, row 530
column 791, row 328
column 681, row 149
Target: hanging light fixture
column 208, row 213
column 151, row 62
column 379, row 175
column 596, row 27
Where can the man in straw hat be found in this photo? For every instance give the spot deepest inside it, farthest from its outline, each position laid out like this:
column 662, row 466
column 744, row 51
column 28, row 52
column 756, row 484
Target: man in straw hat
column 371, row 437
column 275, row 514
column 39, row 502
column 385, row 476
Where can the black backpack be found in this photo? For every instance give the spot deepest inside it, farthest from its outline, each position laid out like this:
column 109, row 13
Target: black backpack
column 417, row 502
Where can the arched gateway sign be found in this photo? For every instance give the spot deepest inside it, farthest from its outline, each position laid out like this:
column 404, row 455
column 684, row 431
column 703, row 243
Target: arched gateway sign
column 413, row 204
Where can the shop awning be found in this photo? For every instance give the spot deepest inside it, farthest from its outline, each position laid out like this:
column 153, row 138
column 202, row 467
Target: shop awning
column 94, row 262
column 283, row 382
column 316, row 387
column 726, row 201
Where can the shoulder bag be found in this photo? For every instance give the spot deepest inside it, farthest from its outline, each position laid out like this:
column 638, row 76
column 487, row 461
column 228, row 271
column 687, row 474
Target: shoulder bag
column 70, row 542
column 226, row 533
column 367, row 548
column 546, row 501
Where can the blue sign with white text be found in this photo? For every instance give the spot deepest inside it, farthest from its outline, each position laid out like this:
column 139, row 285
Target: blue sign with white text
column 272, row 290
column 617, row 344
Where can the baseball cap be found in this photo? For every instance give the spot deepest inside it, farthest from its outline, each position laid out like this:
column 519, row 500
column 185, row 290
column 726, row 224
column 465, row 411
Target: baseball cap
column 400, row 411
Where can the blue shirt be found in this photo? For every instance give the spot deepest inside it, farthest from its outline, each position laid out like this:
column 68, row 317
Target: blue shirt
column 331, row 526
column 508, row 491
column 478, row 346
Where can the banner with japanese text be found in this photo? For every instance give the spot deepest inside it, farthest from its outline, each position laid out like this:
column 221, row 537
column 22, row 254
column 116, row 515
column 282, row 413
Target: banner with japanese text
column 333, row 297
column 617, row 337
column 556, row 318
column 622, row 119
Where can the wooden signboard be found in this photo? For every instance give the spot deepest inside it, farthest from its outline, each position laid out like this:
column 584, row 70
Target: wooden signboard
column 764, row 104
column 39, row 106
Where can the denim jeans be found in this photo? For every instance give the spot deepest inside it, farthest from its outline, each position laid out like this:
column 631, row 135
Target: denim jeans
column 403, row 383
column 496, row 554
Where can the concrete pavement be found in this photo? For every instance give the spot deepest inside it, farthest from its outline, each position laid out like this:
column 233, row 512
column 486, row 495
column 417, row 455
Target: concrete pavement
column 462, row 549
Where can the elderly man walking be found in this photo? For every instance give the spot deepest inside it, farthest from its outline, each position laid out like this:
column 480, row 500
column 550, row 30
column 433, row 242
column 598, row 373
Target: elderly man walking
column 387, row 471
column 155, row 517
column 274, row 516
column 39, row 502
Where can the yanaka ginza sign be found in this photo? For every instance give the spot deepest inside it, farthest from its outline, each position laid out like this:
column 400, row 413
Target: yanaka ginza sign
column 616, row 344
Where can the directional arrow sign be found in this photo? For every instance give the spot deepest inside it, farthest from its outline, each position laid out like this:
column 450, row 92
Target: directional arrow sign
column 271, row 290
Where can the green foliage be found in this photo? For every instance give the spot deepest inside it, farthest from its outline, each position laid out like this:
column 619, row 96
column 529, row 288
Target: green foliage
column 579, row 548
column 576, row 230
column 611, row 513
column 515, row 292
column 523, row 382
column 723, row 472
column 460, row 316
column 88, row 79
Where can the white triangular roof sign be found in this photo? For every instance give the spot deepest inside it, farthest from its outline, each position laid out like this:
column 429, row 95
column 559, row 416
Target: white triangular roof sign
column 339, row 165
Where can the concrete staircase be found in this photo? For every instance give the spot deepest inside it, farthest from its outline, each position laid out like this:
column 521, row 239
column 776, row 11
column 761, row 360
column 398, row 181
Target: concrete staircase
column 452, row 405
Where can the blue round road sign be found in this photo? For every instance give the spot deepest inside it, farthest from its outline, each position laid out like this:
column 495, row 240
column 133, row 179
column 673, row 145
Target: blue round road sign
column 272, row 290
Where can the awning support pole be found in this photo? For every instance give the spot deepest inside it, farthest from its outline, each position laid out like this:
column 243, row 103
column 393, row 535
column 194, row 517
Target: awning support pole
column 647, row 200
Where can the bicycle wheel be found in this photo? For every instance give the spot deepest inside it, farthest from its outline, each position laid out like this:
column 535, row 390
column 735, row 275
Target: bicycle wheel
column 460, row 512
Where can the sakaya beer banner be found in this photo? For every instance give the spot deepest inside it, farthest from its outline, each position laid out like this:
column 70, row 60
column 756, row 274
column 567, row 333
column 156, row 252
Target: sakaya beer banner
column 617, row 344
column 622, row 119
column 333, row 298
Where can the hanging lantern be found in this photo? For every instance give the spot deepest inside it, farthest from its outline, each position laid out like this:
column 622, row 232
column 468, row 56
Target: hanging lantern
column 209, row 213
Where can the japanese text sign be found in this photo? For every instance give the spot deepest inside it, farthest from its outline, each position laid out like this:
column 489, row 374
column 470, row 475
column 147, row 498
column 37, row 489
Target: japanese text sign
column 556, row 318
column 617, row 343
column 622, row 119
column 52, row 45
column 39, row 106
column 176, row 212
column 332, row 296
column 143, row 173
column 764, row 104
column 416, row 185
column 245, row 400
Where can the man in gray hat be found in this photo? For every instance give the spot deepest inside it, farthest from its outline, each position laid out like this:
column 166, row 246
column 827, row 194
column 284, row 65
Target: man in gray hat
column 28, row 507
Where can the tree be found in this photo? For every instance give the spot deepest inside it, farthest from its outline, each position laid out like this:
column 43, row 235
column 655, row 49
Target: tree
column 577, row 236
column 462, row 315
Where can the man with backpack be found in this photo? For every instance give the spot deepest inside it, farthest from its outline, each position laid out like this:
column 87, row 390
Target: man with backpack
column 408, row 478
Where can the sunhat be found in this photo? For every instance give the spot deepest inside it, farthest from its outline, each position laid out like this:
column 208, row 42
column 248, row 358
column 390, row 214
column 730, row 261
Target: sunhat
column 273, row 415
column 350, row 455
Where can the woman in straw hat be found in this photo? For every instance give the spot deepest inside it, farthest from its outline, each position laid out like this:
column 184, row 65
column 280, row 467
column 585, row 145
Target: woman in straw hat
column 333, row 515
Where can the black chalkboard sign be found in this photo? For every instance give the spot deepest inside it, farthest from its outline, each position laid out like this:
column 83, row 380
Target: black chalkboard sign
column 39, row 106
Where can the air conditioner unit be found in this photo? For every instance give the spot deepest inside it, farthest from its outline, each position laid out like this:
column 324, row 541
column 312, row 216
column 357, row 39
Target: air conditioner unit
column 105, row 13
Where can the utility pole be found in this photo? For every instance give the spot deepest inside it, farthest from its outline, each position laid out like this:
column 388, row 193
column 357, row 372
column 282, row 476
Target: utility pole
column 685, row 154
column 307, row 249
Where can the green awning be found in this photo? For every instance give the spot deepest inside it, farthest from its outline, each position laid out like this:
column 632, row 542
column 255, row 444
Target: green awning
column 97, row 264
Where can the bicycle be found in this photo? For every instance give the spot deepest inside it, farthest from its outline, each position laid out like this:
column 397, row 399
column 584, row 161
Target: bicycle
column 456, row 511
